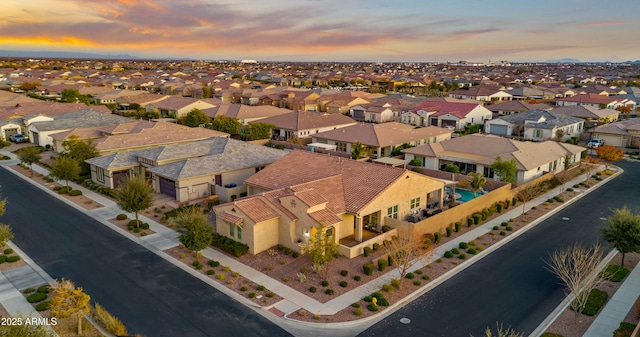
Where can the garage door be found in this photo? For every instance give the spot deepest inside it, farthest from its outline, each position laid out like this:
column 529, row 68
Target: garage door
column 9, row 132
column 168, row 187
column 499, row 130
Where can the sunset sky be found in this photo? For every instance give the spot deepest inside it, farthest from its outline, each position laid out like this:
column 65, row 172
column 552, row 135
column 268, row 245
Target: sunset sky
column 329, row 30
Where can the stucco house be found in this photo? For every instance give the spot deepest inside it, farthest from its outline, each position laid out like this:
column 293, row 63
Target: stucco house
column 188, row 171
column 482, row 93
column 373, row 113
column 515, row 106
column 245, row 113
column 589, row 113
column 625, row 133
column 451, row 114
column 595, row 100
column 381, row 139
column 178, row 106
column 304, row 193
column 536, row 125
column 476, row 153
column 304, row 124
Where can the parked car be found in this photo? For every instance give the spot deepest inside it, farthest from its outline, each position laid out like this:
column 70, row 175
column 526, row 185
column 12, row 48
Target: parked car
column 595, row 143
column 17, row 138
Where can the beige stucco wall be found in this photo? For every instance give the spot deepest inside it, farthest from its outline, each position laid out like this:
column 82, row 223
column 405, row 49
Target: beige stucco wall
column 263, row 236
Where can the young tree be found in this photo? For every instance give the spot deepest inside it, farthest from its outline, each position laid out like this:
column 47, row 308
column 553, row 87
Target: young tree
column 451, row 168
column 6, row 234
column 195, row 117
column 501, row 331
column 80, row 150
column 527, row 194
column 609, row 154
column 578, row 266
column 67, row 300
column 321, row 248
column 622, row 231
column 65, row 168
column 476, row 183
column 134, row 195
column 357, row 150
column 259, row 130
column 29, row 155
column 196, row 231
column 505, row 170
column 406, row 249
column 226, row 124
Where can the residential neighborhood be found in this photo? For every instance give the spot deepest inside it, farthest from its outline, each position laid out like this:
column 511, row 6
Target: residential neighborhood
column 306, row 174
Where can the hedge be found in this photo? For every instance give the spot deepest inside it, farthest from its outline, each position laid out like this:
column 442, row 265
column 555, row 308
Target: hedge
column 469, row 222
column 121, row 216
column 42, row 306
column 437, row 236
column 382, row 264
column 75, row 193
column 14, row 258
column 36, row 297
column 458, row 225
column 228, row 245
column 8, row 251
column 367, row 251
column 367, row 268
column 449, row 232
column 173, row 213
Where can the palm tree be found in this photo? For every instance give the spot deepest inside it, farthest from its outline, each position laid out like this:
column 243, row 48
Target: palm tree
column 476, row 183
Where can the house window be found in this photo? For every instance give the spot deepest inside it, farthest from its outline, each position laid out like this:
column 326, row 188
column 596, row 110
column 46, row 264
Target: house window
column 415, row 202
column 342, row 147
column 392, row 212
column 231, row 228
column 239, row 233
column 100, row 174
column 538, row 133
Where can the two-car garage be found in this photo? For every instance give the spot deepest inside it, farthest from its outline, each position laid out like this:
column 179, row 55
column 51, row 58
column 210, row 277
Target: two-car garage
column 167, row 186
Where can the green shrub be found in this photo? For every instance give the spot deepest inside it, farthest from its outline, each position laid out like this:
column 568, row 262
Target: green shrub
column 558, row 198
column 221, row 277
column 121, row 216
column 367, row 268
column 134, row 223
column 463, row 245
column 280, row 247
column 211, row 262
column 367, row 298
column 376, row 246
column 344, row 284
column 395, row 283
column 381, row 299
column 507, row 203
column 42, row 306
column 449, row 232
column 382, row 264
column 615, row 273
column 514, row 201
column 244, row 288
column 270, row 294
column 476, row 218
column 357, row 311
column 287, row 250
column 495, row 228
column 551, row 200
column 344, row 272
column 355, row 305
column 437, row 236
column 417, row 283
column 462, row 256
column 357, row 278
column 8, row 251
column 387, row 287
column 597, row 298
column 36, row 297
column 325, row 283
column 418, row 271
column 28, row 291
column 312, row 289
column 251, row 295
column 425, row 277
column 372, row 307
column 458, row 225
column 64, row 190
column 448, row 254
column 624, row 330
column 367, row 251
column 455, row 251
column 385, row 228
column 44, row 289
column 469, row 222
column 144, row 226
column 260, row 288
column 569, row 189
column 136, row 230
column 410, row 276
column 499, row 207
column 503, row 233
column 504, row 224
column 75, row 193
column 295, row 255
column 472, row 251
column 211, row 272
column 228, row 245
column 329, row 291
column 13, row 258
column 509, row 228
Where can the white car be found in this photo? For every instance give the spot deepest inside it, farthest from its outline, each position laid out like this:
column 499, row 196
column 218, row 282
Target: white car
column 595, row 143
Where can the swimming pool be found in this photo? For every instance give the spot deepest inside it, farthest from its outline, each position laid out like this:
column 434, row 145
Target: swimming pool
column 464, row 195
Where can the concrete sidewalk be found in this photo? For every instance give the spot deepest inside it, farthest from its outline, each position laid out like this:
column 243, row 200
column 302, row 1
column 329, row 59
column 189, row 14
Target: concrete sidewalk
column 616, row 310
column 166, row 238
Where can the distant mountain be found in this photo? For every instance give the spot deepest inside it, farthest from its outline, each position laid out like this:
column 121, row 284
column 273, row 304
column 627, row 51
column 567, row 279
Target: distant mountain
column 565, row 60
column 63, row 55
column 633, row 62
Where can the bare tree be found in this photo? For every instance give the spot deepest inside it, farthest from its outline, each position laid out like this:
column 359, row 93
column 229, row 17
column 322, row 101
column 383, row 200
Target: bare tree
column 578, row 266
column 501, row 331
column 527, row 194
column 406, row 249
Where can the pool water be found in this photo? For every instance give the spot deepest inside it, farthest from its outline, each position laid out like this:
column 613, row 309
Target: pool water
column 466, row 195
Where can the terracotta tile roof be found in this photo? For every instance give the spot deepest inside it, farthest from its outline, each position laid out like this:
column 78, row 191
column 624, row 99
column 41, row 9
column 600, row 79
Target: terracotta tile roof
column 310, row 197
column 360, row 181
column 591, row 99
column 256, row 209
column 231, row 218
column 325, row 217
column 619, row 128
column 459, row 110
column 242, row 111
column 381, row 135
column 517, row 105
column 304, row 120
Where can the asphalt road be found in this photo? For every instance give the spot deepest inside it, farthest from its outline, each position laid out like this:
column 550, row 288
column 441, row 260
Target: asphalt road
column 150, row 295
column 511, row 285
